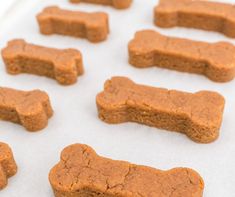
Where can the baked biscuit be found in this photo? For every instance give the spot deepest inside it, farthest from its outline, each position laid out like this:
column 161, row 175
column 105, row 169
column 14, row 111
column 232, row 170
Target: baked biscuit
column 205, row 15
column 92, row 26
column 214, row 60
column 81, row 172
column 63, row 65
column 197, row 115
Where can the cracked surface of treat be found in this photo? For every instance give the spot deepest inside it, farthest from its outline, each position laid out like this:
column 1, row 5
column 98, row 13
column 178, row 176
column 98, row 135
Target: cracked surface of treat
column 31, row 109
column 81, row 172
column 119, row 4
column 197, row 115
column 8, row 167
column 214, row 60
column 92, row 26
column 63, row 65
column 206, row 15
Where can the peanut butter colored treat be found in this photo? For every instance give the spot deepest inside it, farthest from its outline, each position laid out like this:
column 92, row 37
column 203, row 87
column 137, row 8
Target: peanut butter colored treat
column 63, row 65
column 83, row 173
column 119, row 4
column 214, row 60
column 93, row 26
column 8, row 166
column 31, row 109
column 198, row 115
column 206, row 15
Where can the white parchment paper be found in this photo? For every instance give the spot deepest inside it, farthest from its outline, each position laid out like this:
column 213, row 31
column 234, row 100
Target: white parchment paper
column 75, row 119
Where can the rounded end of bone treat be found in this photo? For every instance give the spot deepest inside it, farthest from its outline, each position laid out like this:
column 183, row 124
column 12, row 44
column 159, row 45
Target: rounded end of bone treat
column 165, row 19
column 52, row 178
column 96, row 36
column 12, row 67
column 166, row 14
column 112, row 101
column 141, row 60
column 35, row 111
column 66, row 80
column 78, row 67
column 68, row 67
column 196, row 183
column 220, row 61
column 98, row 31
column 44, row 20
column 10, row 55
column 141, row 49
column 203, row 135
column 78, row 154
column 221, row 74
column 8, row 161
column 13, row 48
column 45, row 26
column 206, row 117
column 34, row 122
column 8, row 167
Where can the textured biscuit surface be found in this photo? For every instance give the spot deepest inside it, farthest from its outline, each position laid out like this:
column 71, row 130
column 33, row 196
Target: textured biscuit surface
column 8, row 166
column 119, row 4
column 93, row 26
column 31, row 109
column 214, row 60
column 81, row 172
column 63, row 65
column 198, row 115
column 206, row 15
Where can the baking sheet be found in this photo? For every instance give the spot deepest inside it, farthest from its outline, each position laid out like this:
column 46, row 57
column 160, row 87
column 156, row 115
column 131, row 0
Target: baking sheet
column 75, row 119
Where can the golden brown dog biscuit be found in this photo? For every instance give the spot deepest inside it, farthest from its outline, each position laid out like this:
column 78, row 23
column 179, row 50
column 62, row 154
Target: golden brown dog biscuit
column 216, row 61
column 31, row 109
column 206, row 15
column 93, row 26
column 8, row 166
column 63, row 65
column 119, row 4
column 198, row 115
column 81, row 172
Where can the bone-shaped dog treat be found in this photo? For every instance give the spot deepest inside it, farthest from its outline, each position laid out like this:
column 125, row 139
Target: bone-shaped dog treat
column 216, row 61
column 119, row 4
column 8, row 166
column 81, row 172
column 206, row 15
column 63, row 65
column 93, row 26
column 198, row 115
column 31, row 109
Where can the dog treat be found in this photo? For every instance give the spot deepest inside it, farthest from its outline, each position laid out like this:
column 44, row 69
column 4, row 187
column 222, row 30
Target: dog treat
column 214, row 60
column 93, row 26
column 31, row 109
column 81, row 172
column 206, row 15
column 63, row 65
column 119, row 4
column 8, row 166
column 198, row 115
